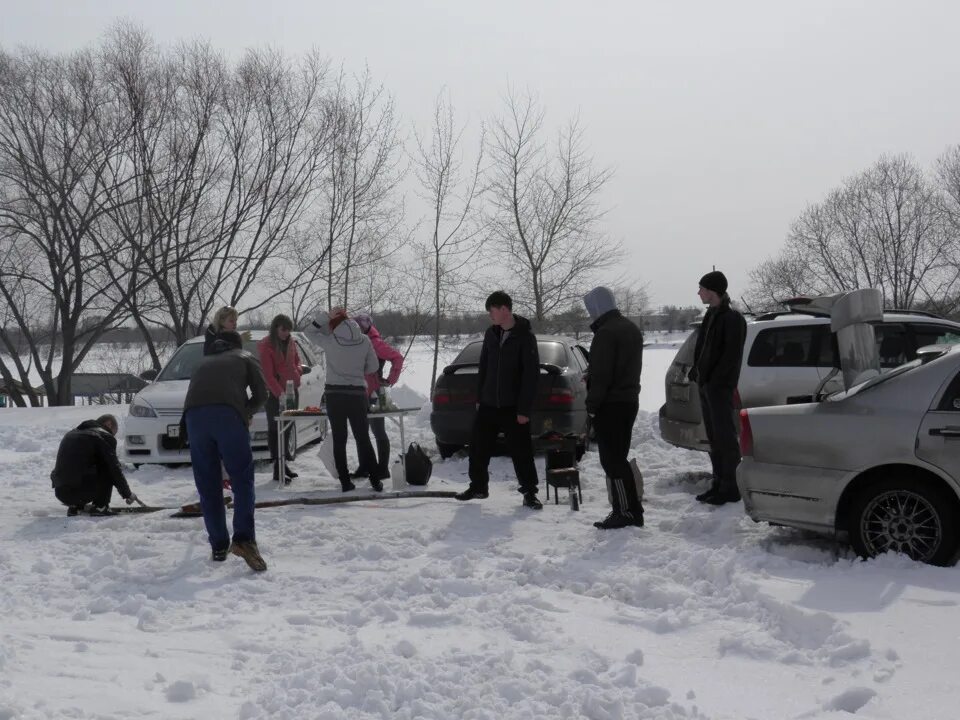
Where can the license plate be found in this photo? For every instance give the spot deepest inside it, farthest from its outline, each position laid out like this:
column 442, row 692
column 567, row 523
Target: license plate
column 680, row 393
column 173, row 430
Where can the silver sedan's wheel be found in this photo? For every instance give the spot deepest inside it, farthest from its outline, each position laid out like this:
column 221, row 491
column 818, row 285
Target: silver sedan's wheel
column 912, row 518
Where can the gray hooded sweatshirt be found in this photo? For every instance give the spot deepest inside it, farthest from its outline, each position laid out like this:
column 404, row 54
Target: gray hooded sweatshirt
column 350, row 354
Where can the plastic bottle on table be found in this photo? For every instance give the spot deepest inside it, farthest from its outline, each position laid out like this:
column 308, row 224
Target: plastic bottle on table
column 290, row 397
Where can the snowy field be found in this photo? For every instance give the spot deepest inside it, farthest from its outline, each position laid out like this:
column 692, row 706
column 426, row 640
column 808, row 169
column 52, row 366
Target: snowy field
column 437, row 609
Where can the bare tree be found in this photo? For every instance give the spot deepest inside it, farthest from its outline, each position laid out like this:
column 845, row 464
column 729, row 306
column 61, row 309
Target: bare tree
column 358, row 214
column 883, row 228
column 59, row 138
column 545, row 218
column 452, row 189
column 230, row 160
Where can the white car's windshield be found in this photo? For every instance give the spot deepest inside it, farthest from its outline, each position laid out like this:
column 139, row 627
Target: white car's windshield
column 186, row 359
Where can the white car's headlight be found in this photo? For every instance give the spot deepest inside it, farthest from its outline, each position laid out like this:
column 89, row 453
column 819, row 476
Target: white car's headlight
column 141, row 409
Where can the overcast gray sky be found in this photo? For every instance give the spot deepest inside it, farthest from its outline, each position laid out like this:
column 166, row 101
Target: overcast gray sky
column 722, row 119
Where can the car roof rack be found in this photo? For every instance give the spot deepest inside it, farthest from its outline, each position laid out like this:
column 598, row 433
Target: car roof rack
column 921, row 313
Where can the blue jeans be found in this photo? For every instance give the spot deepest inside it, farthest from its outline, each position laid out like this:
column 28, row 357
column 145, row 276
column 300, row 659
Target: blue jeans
column 215, row 433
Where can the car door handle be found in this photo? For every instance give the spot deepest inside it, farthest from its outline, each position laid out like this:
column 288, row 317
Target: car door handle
column 946, row 432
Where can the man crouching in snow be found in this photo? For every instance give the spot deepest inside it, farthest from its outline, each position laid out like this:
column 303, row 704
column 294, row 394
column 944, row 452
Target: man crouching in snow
column 217, row 412
column 87, row 468
column 613, row 399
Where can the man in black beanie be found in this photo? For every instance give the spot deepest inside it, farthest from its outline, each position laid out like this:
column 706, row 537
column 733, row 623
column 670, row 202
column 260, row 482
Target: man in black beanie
column 716, row 370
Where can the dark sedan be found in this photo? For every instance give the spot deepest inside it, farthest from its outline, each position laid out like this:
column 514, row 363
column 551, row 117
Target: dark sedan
column 559, row 406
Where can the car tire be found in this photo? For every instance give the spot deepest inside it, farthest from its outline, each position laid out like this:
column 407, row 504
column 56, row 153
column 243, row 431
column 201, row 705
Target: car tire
column 906, row 514
column 290, row 443
column 447, row 450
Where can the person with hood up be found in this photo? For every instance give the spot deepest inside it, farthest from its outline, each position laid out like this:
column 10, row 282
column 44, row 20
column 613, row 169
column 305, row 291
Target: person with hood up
column 280, row 362
column 87, row 469
column 217, row 414
column 506, row 386
column 613, row 399
column 716, row 370
column 350, row 358
column 385, row 353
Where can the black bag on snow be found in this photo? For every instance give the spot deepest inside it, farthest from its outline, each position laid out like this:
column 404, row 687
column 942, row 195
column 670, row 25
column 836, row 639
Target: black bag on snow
column 417, row 465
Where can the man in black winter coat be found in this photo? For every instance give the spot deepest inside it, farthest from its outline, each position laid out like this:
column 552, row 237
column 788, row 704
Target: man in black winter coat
column 716, row 370
column 87, row 468
column 507, row 383
column 616, row 359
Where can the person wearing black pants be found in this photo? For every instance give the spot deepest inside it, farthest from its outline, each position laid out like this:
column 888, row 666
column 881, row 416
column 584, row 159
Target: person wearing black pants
column 348, row 404
column 613, row 399
column 350, row 358
column 272, row 409
column 506, row 385
column 491, row 421
column 716, row 370
column 716, row 404
column 87, row 468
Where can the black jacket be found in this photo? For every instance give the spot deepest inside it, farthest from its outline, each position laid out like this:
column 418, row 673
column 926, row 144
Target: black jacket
column 209, row 337
column 719, row 349
column 222, row 378
column 509, row 372
column 616, row 359
column 86, row 452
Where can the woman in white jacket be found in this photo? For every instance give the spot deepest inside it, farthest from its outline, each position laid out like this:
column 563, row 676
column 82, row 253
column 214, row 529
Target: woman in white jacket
column 350, row 358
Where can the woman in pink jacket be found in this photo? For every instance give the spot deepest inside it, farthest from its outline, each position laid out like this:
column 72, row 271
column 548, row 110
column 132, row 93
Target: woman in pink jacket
column 385, row 353
column 280, row 362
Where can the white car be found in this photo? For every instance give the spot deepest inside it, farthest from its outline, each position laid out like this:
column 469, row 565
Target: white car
column 151, row 431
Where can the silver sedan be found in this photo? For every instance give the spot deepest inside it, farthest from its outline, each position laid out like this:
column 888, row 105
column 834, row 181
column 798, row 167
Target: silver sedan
column 878, row 464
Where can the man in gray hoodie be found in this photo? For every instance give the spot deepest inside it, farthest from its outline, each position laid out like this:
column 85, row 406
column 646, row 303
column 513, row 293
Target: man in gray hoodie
column 350, row 358
column 613, row 399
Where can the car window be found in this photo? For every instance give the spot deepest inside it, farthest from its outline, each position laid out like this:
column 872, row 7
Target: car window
column 306, row 358
column 685, row 353
column 884, row 377
column 794, row 346
column 891, row 344
column 470, row 354
column 580, row 355
column 188, row 356
column 935, row 335
column 950, row 401
column 552, row 353
column 183, row 363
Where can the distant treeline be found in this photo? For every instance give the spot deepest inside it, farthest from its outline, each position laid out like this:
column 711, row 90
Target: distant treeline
column 399, row 324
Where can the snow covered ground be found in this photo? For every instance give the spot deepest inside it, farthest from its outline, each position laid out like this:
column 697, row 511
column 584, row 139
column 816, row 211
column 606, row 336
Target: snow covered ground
column 435, row 609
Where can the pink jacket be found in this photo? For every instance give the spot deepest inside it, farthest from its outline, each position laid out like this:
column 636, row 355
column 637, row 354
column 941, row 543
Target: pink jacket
column 277, row 368
column 384, row 352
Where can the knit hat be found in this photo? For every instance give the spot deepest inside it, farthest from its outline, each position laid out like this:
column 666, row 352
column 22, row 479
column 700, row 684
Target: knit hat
column 715, row 281
column 599, row 301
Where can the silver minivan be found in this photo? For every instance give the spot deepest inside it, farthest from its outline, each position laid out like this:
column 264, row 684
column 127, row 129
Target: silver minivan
column 787, row 356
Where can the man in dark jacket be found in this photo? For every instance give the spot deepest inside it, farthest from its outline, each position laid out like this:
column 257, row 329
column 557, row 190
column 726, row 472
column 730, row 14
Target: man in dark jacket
column 507, row 383
column 716, row 370
column 87, row 468
column 616, row 358
column 217, row 414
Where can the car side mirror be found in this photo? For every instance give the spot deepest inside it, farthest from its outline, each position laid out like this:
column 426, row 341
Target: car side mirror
column 149, row 375
column 305, row 369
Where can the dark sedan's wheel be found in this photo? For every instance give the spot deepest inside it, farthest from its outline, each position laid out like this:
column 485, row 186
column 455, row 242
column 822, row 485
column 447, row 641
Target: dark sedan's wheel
column 905, row 515
column 447, row 450
column 290, row 443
